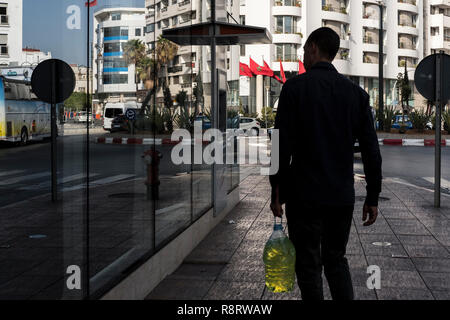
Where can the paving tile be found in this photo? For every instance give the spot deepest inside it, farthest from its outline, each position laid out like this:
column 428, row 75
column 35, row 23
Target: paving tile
column 404, row 294
column 402, row 226
column 432, row 264
column 441, row 295
column 180, row 289
column 363, row 293
column 230, row 290
column 193, row 272
column 418, row 240
column 390, row 263
column 427, row 251
column 436, row 281
column 401, row 279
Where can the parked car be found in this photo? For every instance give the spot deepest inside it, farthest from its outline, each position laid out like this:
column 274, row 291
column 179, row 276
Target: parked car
column 206, row 122
column 250, row 126
column 119, row 123
column 398, row 122
column 82, row 116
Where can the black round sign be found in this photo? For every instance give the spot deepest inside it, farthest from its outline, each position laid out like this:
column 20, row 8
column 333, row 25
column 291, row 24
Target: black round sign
column 425, row 77
column 53, row 81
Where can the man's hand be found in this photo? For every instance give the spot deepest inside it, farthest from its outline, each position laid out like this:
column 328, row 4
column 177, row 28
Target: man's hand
column 276, row 208
column 373, row 214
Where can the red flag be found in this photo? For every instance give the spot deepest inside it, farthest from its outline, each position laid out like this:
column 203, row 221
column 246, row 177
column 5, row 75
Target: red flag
column 267, row 68
column 279, row 80
column 258, row 70
column 301, row 67
column 91, row 3
column 283, row 76
column 244, row 70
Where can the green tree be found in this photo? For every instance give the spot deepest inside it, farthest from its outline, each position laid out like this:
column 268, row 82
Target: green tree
column 77, row 101
column 134, row 53
column 169, row 112
column 165, row 52
column 198, row 94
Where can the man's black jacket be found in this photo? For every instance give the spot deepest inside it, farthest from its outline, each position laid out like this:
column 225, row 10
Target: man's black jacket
column 320, row 115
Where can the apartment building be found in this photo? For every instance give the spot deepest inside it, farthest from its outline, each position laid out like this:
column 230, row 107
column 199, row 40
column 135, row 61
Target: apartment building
column 113, row 27
column 193, row 63
column 437, row 26
column 33, row 57
column 10, row 32
column 357, row 22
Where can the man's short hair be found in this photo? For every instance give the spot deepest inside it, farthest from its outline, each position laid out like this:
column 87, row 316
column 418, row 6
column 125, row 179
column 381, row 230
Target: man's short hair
column 326, row 40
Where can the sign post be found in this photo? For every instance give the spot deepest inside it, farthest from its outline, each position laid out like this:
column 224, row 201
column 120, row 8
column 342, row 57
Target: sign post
column 130, row 114
column 53, row 81
column 432, row 80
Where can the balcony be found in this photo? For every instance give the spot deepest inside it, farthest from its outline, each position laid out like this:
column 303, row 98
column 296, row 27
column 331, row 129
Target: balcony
column 174, row 69
column 342, row 10
column 287, row 3
column 403, row 45
column 164, row 9
column 413, row 2
column 4, row 19
column 370, row 40
column 184, row 3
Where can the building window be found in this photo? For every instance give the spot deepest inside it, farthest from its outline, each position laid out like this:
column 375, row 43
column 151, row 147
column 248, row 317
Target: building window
column 242, row 50
column 287, row 52
column 174, row 21
column 115, row 78
column 285, row 24
column 150, row 28
column 242, row 19
column 116, row 16
column 138, row 32
column 176, row 80
column 112, row 47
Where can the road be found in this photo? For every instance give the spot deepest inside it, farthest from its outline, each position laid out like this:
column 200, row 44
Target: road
column 25, row 170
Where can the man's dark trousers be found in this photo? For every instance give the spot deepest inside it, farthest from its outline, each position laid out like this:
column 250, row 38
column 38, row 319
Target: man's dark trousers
column 320, row 235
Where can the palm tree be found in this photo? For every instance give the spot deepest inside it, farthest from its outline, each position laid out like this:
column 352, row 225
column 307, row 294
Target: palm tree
column 165, row 52
column 134, row 53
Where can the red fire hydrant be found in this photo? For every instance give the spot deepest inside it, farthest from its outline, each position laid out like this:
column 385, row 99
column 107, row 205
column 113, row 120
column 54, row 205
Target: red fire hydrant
column 152, row 159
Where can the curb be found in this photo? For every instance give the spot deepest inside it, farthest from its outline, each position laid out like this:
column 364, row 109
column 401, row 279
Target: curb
column 143, row 141
column 412, row 142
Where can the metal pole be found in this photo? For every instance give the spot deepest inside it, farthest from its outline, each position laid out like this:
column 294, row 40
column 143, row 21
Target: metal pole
column 214, row 95
column 380, row 69
column 53, row 136
column 437, row 164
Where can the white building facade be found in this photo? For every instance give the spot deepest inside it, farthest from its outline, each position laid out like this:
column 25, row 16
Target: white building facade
column 193, row 62
column 10, row 32
column 113, row 28
column 437, row 31
column 32, row 57
column 357, row 22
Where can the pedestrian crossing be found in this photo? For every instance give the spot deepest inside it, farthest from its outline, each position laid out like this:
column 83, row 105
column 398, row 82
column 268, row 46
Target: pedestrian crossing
column 21, row 180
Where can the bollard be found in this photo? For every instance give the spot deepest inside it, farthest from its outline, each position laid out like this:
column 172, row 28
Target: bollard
column 152, row 159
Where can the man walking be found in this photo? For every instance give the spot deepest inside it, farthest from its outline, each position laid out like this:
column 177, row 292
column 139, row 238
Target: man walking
column 320, row 115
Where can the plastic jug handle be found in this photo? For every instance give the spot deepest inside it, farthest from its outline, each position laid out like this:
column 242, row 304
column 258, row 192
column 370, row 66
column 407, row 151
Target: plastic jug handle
column 275, row 220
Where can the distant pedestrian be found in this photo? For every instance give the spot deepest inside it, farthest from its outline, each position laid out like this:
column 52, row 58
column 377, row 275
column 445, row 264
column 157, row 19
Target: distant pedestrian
column 320, row 115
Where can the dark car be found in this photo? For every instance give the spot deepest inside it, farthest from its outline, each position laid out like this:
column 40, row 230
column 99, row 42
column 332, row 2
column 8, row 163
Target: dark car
column 119, row 123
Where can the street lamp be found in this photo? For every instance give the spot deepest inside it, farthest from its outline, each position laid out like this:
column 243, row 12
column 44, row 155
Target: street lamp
column 380, row 4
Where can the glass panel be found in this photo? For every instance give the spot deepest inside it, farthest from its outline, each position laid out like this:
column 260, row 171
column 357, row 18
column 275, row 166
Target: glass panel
column 41, row 239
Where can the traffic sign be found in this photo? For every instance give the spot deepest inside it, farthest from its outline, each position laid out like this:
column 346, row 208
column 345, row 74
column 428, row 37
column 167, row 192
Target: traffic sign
column 130, row 114
column 425, row 77
column 53, row 81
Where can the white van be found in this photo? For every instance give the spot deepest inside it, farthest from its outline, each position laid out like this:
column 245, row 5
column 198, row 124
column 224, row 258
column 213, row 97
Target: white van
column 113, row 110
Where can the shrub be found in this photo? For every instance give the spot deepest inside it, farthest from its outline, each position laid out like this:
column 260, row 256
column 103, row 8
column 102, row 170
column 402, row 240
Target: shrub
column 419, row 120
column 446, row 119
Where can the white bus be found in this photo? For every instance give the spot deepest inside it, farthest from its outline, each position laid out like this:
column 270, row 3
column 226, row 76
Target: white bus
column 22, row 116
column 113, row 110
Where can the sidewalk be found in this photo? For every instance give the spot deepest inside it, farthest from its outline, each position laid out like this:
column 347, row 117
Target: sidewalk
column 416, row 265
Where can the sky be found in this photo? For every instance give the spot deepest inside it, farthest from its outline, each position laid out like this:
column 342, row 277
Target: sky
column 45, row 27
